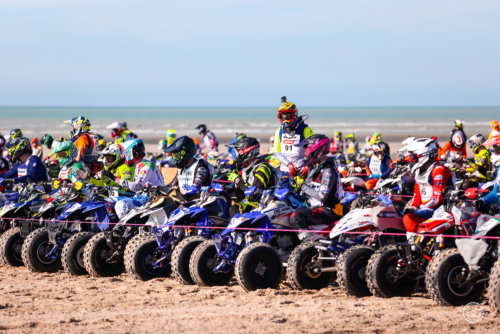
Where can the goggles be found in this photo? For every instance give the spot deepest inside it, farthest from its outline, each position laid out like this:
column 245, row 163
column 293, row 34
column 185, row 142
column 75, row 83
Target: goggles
column 287, row 116
column 62, row 155
column 178, row 156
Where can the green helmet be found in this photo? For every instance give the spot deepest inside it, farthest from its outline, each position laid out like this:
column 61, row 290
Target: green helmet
column 65, row 153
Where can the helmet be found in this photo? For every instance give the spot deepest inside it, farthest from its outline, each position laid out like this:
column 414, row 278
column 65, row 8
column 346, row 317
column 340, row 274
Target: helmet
column 18, row 147
column 350, row 137
column 125, row 125
column 245, row 148
column 133, row 150
column 2, row 142
column 79, row 124
column 316, row 146
column 116, row 129
column 435, row 139
column 114, row 151
column 47, row 140
column 457, row 140
column 459, row 124
column 202, row 128
column 271, row 139
column 376, row 138
column 421, row 150
column 337, row 134
column 66, row 153
column 495, row 125
column 213, row 157
column 182, row 150
column 35, row 141
column 288, row 114
column 240, row 135
column 476, row 141
column 171, row 135
column 15, row 133
column 378, row 149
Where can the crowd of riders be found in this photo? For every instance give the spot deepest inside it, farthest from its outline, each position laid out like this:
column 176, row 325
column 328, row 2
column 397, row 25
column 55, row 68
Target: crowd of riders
column 314, row 166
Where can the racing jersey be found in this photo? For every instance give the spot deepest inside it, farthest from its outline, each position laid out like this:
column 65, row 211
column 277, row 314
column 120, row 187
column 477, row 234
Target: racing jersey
column 451, row 151
column 199, row 174
column 32, row 169
column 123, row 172
column 336, row 146
column 145, row 172
column 430, row 186
column 377, row 168
column 323, row 185
column 261, row 175
column 481, row 165
column 210, row 142
column 284, row 146
column 86, row 146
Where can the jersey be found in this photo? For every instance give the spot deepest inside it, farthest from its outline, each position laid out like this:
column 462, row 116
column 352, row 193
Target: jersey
column 86, row 146
column 145, row 172
column 122, row 172
column 377, row 168
column 284, row 145
column 199, row 174
column 481, row 166
column 73, row 171
column 336, row 146
column 32, row 169
column 323, row 185
column 210, row 142
column 450, row 151
column 430, row 186
column 124, row 136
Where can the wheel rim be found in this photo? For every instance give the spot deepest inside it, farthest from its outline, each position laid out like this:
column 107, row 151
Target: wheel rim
column 43, row 249
column 310, row 266
column 79, row 257
column 16, row 250
column 105, row 253
column 455, row 278
column 147, row 263
column 260, row 269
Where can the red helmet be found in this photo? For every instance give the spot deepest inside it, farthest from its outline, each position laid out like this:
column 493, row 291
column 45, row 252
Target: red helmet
column 288, row 114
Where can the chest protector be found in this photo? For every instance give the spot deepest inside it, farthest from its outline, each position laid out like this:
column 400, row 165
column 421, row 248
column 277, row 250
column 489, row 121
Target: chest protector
column 375, row 164
column 424, row 184
column 186, row 176
column 90, row 154
column 288, row 140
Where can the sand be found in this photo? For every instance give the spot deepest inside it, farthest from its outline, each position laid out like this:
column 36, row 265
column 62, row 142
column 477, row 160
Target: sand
column 60, row 303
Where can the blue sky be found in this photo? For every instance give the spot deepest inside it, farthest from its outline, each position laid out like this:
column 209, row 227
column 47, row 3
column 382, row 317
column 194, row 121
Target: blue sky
column 249, row 53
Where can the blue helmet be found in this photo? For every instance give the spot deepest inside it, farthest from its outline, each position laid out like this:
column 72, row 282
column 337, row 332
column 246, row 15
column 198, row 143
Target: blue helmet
column 133, row 150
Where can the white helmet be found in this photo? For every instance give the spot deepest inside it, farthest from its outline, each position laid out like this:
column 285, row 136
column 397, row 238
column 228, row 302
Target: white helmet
column 457, row 140
column 423, row 149
column 271, row 139
column 113, row 150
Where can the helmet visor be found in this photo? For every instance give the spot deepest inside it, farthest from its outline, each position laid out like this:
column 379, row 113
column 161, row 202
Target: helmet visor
column 287, row 116
column 178, row 155
column 62, row 154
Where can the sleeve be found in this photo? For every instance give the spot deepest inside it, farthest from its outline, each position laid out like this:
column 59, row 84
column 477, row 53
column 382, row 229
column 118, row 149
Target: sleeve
column 388, row 164
column 367, row 166
column 36, row 169
column 11, row 173
column 142, row 176
column 81, row 143
column 281, row 158
column 440, row 176
column 416, row 200
column 328, row 181
column 200, row 175
column 464, row 152
column 308, row 132
column 446, row 148
column 277, row 141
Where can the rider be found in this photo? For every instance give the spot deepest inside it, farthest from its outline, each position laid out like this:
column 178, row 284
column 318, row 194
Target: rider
column 25, row 165
column 292, row 131
column 458, row 130
column 86, row 142
column 378, row 165
column 352, row 146
column 113, row 161
column 191, row 171
column 71, row 169
column 37, row 149
column 210, row 141
column 454, row 149
column 492, row 197
column 377, row 138
column 495, row 129
column 132, row 135
column 230, row 148
column 171, row 135
column 119, row 133
column 482, row 164
column 337, row 144
column 322, row 187
column 431, row 180
column 254, row 173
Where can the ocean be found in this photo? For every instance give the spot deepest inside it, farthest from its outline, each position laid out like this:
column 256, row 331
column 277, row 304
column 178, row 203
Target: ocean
column 150, row 123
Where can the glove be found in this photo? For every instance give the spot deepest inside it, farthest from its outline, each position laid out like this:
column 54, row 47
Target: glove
column 304, row 171
column 233, row 175
column 292, row 170
column 298, row 181
column 106, row 173
column 78, row 185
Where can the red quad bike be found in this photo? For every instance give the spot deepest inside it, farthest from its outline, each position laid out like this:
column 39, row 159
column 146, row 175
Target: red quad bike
column 395, row 270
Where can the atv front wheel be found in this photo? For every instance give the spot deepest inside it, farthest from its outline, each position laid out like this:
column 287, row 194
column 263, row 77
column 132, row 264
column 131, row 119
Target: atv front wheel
column 303, row 268
column 351, row 274
column 258, row 266
column 95, row 255
column 140, row 255
column 34, row 251
column 72, row 253
column 203, row 260
column 444, row 275
column 11, row 244
column 180, row 259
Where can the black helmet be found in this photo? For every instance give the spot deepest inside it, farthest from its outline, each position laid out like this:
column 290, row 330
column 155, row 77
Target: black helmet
column 18, row 147
column 245, row 148
column 182, row 150
column 202, row 128
column 47, row 140
column 15, row 133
